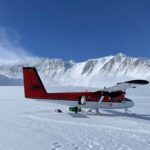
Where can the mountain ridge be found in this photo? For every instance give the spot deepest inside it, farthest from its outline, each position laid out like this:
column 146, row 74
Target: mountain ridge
column 87, row 73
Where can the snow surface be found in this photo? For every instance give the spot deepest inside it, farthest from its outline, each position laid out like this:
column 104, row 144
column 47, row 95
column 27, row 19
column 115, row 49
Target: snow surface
column 27, row 124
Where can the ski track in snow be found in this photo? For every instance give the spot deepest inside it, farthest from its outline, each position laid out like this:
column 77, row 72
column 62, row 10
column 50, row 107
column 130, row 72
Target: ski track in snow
column 27, row 124
column 97, row 138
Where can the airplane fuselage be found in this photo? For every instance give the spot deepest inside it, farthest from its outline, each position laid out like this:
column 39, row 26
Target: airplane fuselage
column 92, row 100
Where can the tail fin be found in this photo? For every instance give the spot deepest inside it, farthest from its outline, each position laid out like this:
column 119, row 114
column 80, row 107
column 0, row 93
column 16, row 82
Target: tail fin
column 33, row 87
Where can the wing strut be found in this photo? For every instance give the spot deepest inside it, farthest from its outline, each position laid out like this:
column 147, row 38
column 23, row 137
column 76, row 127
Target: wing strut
column 100, row 100
column 98, row 105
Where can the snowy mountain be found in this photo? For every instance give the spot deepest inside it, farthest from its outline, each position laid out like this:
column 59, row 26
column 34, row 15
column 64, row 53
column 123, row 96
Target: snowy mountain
column 9, row 81
column 93, row 72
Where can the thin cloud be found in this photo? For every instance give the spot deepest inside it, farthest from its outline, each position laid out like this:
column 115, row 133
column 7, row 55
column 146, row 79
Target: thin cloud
column 11, row 50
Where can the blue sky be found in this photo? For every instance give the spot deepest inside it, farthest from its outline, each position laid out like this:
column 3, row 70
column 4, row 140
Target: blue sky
column 79, row 29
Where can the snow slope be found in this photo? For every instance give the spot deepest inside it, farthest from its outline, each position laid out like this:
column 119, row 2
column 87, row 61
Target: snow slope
column 93, row 72
column 27, row 124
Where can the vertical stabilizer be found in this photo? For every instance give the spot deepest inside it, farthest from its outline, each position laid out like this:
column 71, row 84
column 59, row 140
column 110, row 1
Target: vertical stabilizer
column 33, row 86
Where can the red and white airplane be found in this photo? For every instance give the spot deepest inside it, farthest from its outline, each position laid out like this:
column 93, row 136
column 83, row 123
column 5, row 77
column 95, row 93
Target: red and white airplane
column 107, row 98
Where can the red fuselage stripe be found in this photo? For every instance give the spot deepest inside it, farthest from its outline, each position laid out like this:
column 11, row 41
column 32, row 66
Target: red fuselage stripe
column 74, row 96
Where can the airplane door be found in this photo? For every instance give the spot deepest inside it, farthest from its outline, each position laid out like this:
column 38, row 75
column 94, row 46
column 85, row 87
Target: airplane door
column 82, row 100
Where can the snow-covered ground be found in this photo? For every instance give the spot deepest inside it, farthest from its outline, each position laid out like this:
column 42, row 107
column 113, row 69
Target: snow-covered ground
column 34, row 125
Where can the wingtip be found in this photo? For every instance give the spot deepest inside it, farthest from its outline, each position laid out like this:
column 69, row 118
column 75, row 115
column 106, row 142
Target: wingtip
column 141, row 82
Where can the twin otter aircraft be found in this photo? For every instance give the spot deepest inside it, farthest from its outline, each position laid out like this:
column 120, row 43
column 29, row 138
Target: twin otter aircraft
column 107, row 98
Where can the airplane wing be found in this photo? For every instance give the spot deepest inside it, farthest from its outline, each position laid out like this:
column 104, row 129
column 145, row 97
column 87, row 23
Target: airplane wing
column 124, row 86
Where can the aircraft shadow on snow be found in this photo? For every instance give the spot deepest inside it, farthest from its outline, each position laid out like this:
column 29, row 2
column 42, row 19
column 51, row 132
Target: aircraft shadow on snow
column 136, row 116
column 77, row 115
column 112, row 113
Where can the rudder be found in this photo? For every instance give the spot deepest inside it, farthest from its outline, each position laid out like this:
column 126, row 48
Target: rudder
column 33, row 86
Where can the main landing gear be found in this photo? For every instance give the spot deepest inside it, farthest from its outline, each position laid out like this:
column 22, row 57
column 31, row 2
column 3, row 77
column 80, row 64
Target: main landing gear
column 97, row 111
